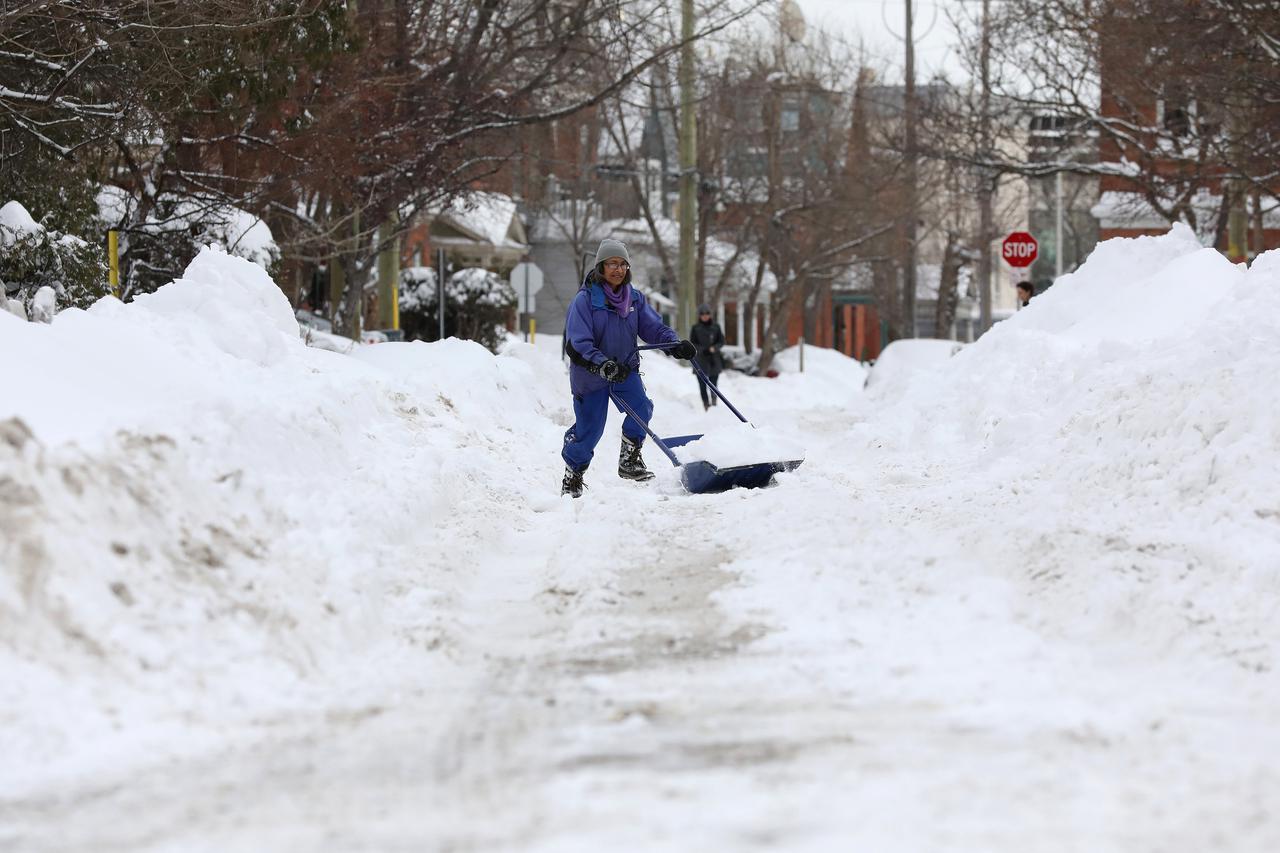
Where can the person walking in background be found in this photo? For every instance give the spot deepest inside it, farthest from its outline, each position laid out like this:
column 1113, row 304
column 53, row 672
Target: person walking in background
column 600, row 339
column 708, row 338
column 1026, row 290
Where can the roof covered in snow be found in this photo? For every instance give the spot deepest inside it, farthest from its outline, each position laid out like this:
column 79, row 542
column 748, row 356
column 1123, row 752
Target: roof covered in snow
column 638, row 236
column 487, row 218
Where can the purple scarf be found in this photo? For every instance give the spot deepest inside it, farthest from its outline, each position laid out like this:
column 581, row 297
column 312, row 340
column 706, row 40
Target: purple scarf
column 620, row 299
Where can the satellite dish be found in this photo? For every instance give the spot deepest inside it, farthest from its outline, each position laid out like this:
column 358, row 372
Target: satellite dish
column 791, row 21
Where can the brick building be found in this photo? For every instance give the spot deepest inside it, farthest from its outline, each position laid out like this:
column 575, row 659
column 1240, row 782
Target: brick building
column 1166, row 128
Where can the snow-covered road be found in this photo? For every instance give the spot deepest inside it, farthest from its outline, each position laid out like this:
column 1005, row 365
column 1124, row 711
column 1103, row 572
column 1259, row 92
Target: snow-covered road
column 1028, row 607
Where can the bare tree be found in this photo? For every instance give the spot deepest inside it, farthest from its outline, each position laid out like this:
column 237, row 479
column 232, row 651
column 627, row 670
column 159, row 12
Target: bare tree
column 407, row 102
column 1180, row 96
column 774, row 153
column 168, row 99
column 442, row 110
column 832, row 196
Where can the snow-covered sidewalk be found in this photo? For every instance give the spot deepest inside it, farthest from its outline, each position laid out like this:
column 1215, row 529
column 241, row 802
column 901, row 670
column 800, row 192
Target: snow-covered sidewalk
column 257, row 596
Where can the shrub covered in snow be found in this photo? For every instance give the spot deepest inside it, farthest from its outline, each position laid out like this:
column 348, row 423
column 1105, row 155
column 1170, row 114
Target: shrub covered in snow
column 159, row 241
column 478, row 303
column 35, row 259
column 417, row 290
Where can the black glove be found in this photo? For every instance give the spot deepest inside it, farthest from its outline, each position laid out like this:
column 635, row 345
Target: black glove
column 685, row 350
column 611, row 370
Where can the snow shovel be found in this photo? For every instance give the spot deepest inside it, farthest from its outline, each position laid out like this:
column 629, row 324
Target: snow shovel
column 701, row 477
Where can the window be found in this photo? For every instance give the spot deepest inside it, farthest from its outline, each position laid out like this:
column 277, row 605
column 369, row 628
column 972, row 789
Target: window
column 1175, row 112
column 1048, row 123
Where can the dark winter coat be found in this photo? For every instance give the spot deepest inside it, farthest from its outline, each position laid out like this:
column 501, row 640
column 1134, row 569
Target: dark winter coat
column 705, row 337
column 595, row 333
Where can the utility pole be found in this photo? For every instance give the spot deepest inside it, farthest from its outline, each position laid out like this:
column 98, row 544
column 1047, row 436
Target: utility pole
column 1057, row 225
column 1237, row 213
column 909, row 274
column 985, row 188
column 688, row 171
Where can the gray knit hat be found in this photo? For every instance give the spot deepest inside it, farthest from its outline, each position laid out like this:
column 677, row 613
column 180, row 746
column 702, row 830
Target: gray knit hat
column 611, row 248
column 704, row 308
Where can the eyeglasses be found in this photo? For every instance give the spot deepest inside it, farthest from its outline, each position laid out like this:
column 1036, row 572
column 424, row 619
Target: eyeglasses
column 613, row 266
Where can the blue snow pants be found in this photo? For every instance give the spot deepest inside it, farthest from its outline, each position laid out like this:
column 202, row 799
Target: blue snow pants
column 590, row 412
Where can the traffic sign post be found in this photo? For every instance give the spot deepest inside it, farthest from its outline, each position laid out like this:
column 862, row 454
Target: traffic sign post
column 526, row 280
column 1019, row 249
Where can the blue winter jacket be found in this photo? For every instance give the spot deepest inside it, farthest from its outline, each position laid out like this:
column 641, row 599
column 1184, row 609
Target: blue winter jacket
column 597, row 334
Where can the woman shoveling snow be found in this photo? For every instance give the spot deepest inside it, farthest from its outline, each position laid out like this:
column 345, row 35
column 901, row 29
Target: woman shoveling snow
column 604, row 320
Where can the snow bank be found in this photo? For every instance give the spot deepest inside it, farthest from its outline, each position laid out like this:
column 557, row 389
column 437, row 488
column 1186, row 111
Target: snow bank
column 236, row 305
column 1039, row 583
column 1147, row 324
column 1061, row 546
column 1119, row 439
column 901, row 360
column 200, row 513
column 830, row 379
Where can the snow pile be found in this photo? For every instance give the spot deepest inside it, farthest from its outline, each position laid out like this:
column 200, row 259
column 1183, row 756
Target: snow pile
column 1139, row 374
column 829, row 380
column 728, row 448
column 1111, row 448
column 199, row 511
column 1044, row 580
column 901, row 360
column 237, row 307
column 1151, row 351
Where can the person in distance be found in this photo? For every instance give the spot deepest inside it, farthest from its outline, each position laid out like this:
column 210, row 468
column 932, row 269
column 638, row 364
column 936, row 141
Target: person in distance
column 707, row 338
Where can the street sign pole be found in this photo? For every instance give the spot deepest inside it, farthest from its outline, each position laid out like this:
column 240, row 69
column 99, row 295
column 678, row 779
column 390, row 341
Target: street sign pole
column 1057, row 227
column 526, row 279
column 1019, row 251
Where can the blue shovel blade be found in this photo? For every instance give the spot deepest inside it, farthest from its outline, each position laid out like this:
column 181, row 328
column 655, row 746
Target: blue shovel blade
column 680, row 440
column 704, row 478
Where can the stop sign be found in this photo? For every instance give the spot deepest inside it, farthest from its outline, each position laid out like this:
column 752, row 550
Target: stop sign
column 1019, row 249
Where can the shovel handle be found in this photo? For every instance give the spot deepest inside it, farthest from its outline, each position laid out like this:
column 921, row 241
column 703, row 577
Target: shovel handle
column 701, row 375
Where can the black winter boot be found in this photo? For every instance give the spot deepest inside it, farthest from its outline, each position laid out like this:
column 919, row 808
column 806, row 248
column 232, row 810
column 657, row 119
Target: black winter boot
column 572, row 484
column 630, row 462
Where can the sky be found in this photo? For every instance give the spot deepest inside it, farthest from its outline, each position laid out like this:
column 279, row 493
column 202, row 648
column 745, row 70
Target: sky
column 879, row 23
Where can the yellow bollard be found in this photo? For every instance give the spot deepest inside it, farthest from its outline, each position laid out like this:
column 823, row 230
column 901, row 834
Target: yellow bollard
column 113, row 263
column 533, row 328
column 395, row 306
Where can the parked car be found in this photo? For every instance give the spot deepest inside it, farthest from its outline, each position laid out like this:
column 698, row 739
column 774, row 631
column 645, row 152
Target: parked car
column 312, row 320
column 737, row 358
column 903, row 358
column 381, row 336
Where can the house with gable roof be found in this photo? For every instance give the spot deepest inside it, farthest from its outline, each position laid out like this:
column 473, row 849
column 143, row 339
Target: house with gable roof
column 480, row 229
